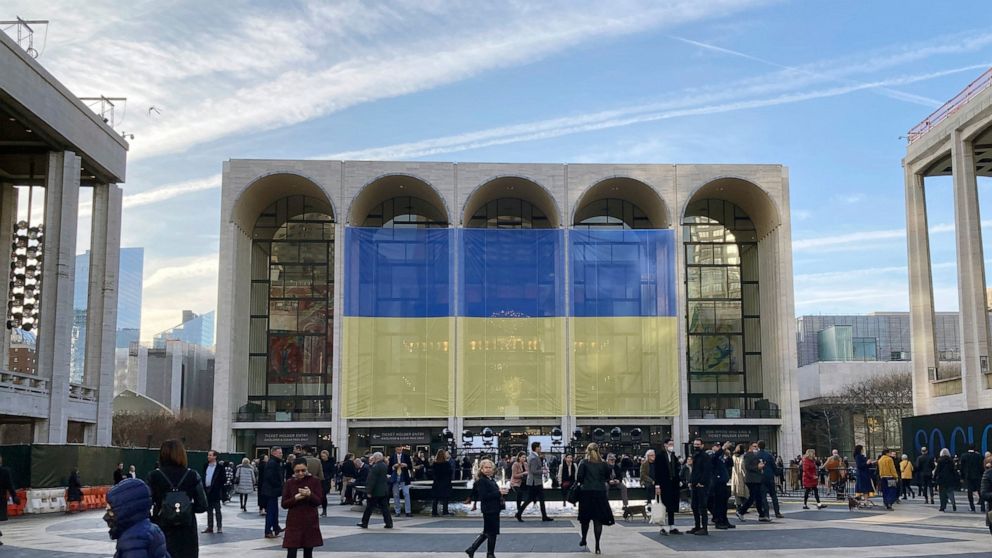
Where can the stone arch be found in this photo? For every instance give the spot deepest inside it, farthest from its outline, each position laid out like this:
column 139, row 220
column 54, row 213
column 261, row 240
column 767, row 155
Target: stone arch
column 759, row 206
column 512, row 187
column 269, row 188
column 389, row 186
column 628, row 189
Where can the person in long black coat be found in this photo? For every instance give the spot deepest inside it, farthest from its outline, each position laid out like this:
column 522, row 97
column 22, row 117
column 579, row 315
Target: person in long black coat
column 75, row 491
column 441, row 489
column 7, row 490
column 666, row 483
column 174, row 471
column 947, row 479
column 986, row 490
column 271, row 489
column 490, row 495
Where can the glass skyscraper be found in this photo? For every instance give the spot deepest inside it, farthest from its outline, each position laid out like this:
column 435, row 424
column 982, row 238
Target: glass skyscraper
column 128, row 305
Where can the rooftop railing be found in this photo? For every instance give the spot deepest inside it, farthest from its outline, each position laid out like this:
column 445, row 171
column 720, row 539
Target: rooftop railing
column 23, row 383
column 952, row 106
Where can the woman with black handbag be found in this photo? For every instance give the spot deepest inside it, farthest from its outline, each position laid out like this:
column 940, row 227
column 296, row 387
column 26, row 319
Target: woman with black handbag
column 594, row 506
column 491, row 500
column 566, row 477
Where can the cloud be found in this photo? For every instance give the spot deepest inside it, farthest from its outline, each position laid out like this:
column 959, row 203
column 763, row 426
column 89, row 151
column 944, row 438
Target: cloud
column 248, row 68
column 172, row 285
column 849, row 199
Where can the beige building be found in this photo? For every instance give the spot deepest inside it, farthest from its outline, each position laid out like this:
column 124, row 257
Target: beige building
column 657, row 300
column 955, row 141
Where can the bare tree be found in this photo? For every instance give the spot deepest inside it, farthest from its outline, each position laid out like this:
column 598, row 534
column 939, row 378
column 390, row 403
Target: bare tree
column 151, row 429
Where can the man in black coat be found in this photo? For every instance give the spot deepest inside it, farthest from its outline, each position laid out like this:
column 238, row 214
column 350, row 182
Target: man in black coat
column 720, row 491
column 924, row 468
column 377, row 491
column 400, row 467
column 971, row 474
column 986, row 492
column 700, row 480
column 214, row 477
column 754, row 479
column 118, row 474
column 271, row 490
column 666, row 483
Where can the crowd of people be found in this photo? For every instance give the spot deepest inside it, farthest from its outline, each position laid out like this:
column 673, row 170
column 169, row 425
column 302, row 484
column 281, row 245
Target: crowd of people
column 159, row 517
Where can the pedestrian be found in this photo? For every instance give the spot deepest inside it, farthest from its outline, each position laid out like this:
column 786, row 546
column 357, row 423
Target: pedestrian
column 329, row 470
column 971, row 474
column 835, row 474
column 177, row 495
column 594, row 506
column 259, row 471
column 906, row 477
column 738, row 486
column 245, row 481
column 862, row 485
column 768, row 478
column 213, row 485
column 946, row 479
column 535, row 482
column 441, row 486
column 466, row 468
column 924, row 470
column 314, row 466
column 301, row 496
column 7, row 491
column 132, row 473
column 270, row 487
column 719, row 493
column 490, row 496
column 377, row 490
column 119, row 473
column 127, row 516
column 986, row 492
column 754, row 479
column 566, row 477
column 700, row 481
column 517, row 475
column 348, row 474
column 810, row 479
column 888, row 477
column 74, row 492
column 647, row 474
column 666, row 484
column 401, row 466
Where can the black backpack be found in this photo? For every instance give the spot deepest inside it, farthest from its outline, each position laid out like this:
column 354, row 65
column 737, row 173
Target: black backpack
column 177, row 508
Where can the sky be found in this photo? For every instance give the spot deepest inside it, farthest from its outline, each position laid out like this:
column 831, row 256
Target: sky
column 825, row 88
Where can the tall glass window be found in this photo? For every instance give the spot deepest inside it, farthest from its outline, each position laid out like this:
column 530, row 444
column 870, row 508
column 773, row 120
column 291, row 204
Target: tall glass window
column 611, row 213
column 292, row 311
column 509, row 213
column 722, row 318
column 405, row 212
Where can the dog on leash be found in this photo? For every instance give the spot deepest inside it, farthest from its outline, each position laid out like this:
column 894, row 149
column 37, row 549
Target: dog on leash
column 630, row 511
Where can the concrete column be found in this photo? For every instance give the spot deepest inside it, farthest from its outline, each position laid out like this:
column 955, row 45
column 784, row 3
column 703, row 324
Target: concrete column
column 973, row 315
column 222, row 435
column 8, row 217
column 339, row 426
column 58, row 271
column 101, row 316
column 924, row 343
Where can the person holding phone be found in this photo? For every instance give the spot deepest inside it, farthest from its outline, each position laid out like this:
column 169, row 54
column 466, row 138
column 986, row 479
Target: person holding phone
column 301, row 495
column 491, row 499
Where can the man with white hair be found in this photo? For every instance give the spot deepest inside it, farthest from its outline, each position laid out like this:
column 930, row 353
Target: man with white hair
column 377, row 491
column 947, row 479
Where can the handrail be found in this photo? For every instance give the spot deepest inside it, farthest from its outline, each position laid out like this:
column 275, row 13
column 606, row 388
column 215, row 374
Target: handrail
column 24, row 383
column 950, row 107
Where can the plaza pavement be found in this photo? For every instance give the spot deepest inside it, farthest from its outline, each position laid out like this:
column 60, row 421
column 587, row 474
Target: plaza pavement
column 912, row 530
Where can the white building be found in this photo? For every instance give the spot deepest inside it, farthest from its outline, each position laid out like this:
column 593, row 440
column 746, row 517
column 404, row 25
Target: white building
column 361, row 306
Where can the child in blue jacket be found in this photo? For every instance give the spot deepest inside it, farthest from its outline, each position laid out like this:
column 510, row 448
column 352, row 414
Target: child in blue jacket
column 129, row 519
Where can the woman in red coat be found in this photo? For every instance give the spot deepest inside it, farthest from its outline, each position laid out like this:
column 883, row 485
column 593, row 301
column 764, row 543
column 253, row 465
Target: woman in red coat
column 810, row 479
column 301, row 495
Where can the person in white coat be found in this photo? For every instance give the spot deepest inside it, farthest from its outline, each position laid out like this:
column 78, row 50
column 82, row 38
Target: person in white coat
column 245, row 481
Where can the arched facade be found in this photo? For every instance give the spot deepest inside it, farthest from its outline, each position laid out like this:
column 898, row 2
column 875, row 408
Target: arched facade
column 548, row 300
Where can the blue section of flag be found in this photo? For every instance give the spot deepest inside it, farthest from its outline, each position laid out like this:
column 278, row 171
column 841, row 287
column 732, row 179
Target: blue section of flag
column 623, row 272
column 512, row 273
column 398, row 273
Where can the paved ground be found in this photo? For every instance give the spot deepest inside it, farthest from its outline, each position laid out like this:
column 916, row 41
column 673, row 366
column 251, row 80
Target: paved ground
column 913, row 530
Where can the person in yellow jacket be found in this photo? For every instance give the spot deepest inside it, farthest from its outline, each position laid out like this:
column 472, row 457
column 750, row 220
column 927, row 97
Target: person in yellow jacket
column 906, row 476
column 889, row 477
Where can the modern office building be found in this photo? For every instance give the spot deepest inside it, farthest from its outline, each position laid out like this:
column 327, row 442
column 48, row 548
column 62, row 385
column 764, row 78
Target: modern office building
column 955, row 141
column 51, row 145
column 178, row 375
column 367, row 304
column 195, row 329
column 128, row 305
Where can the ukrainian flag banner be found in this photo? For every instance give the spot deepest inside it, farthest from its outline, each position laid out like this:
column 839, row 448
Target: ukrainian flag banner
column 624, row 326
column 511, row 323
column 398, row 324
